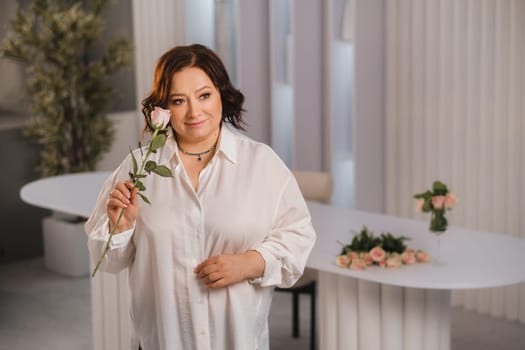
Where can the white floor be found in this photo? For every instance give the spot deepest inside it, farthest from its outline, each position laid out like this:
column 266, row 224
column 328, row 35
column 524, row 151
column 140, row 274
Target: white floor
column 42, row 310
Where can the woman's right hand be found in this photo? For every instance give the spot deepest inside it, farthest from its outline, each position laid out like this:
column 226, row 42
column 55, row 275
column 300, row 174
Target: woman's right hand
column 123, row 196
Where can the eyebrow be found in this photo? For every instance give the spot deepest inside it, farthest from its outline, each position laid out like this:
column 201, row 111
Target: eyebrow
column 197, row 91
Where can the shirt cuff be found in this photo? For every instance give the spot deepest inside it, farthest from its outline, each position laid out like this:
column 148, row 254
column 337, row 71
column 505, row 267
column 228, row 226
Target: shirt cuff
column 272, row 269
column 121, row 239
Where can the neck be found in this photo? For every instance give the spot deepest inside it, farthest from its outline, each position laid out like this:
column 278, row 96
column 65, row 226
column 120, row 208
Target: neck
column 198, row 150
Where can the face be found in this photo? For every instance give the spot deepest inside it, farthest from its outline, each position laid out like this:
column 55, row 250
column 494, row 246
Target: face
column 195, row 106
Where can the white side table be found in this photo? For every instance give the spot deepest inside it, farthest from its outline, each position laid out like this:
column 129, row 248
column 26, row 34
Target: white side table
column 408, row 308
column 70, row 197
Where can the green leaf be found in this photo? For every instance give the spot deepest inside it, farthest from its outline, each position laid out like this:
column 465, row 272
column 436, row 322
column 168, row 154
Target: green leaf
column 427, row 205
column 158, row 141
column 135, row 165
column 393, row 244
column 140, row 148
column 163, row 171
column 439, row 188
column 144, row 198
column 140, row 186
column 150, row 166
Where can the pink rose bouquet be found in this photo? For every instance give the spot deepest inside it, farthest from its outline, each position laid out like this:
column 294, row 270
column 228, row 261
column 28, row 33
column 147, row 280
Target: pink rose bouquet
column 436, row 201
column 383, row 251
column 159, row 119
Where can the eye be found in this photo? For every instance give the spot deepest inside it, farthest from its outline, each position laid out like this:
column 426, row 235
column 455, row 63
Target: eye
column 205, row 96
column 177, row 101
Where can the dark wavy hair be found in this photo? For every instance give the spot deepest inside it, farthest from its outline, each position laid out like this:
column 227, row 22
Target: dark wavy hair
column 199, row 56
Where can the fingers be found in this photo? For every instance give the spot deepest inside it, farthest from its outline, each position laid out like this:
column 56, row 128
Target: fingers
column 218, row 271
column 123, row 195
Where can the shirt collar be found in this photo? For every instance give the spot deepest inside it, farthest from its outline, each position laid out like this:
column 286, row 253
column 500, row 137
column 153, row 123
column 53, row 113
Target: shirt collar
column 228, row 144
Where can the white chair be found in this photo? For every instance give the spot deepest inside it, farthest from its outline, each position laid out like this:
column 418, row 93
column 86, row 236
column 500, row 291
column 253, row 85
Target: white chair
column 315, row 186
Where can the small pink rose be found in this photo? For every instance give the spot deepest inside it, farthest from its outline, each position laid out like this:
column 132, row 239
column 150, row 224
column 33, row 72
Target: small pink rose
column 377, row 254
column 422, row 257
column 393, row 261
column 408, row 257
column 367, row 258
column 437, row 202
column 419, row 205
column 342, row 261
column 353, row 255
column 450, row 200
column 160, row 118
column 357, row 264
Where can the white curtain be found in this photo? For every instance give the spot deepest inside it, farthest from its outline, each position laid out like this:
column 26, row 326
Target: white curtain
column 456, row 112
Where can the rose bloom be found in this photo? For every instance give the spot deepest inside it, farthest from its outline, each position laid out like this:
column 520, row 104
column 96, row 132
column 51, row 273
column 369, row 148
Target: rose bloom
column 437, row 202
column 160, row 117
column 367, row 258
column 382, row 263
column 357, row 264
column 422, row 257
column 377, row 254
column 342, row 261
column 408, row 257
column 353, row 255
column 393, row 261
column 450, row 200
column 419, row 205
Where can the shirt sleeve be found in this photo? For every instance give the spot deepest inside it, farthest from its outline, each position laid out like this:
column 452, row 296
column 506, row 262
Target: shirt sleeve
column 122, row 249
column 287, row 247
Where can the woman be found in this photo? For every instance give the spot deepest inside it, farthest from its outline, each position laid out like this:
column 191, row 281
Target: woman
column 229, row 226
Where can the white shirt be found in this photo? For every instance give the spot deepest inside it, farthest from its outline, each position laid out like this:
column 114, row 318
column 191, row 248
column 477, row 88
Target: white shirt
column 246, row 199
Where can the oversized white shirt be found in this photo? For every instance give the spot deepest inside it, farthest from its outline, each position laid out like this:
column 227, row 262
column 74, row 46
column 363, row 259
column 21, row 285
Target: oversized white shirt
column 246, row 199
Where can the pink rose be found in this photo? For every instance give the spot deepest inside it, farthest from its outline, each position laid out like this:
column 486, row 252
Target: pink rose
column 437, row 202
column 342, row 261
column 450, row 200
column 422, row 257
column 353, row 255
column 419, row 205
column 160, row 118
column 357, row 264
column 377, row 254
column 367, row 258
column 393, row 261
column 408, row 257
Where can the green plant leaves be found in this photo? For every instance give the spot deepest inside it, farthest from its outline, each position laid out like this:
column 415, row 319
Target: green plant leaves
column 162, row 171
column 144, row 198
column 135, row 165
column 365, row 240
column 439, row 188
column 158, row 141
column 150, row 166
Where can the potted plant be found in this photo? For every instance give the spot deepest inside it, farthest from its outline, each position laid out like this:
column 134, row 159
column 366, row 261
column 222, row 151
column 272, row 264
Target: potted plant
column 68, row 85
column 70, row 92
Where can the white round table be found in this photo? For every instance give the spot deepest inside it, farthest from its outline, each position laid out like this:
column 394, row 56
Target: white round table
column 374, row 309
column 407, row 308
column 70, row 197
column 72, row 194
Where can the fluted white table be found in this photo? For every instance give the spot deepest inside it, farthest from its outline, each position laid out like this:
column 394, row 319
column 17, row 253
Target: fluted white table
column 374, row 309
column 407, row 308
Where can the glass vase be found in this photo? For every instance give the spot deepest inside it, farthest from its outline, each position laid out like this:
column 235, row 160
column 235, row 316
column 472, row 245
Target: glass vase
column 437, row 259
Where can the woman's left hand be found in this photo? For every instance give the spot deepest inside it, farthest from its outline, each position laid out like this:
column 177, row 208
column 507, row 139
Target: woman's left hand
column 227, row 269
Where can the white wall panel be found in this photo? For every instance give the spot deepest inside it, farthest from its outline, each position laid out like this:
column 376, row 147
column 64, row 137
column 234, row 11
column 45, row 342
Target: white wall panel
column 455, row 109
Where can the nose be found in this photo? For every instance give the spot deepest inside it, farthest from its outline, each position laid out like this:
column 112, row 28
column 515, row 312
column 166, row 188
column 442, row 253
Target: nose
column 194, row 109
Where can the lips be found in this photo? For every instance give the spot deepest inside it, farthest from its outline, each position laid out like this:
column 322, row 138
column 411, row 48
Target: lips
column 195, row 124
